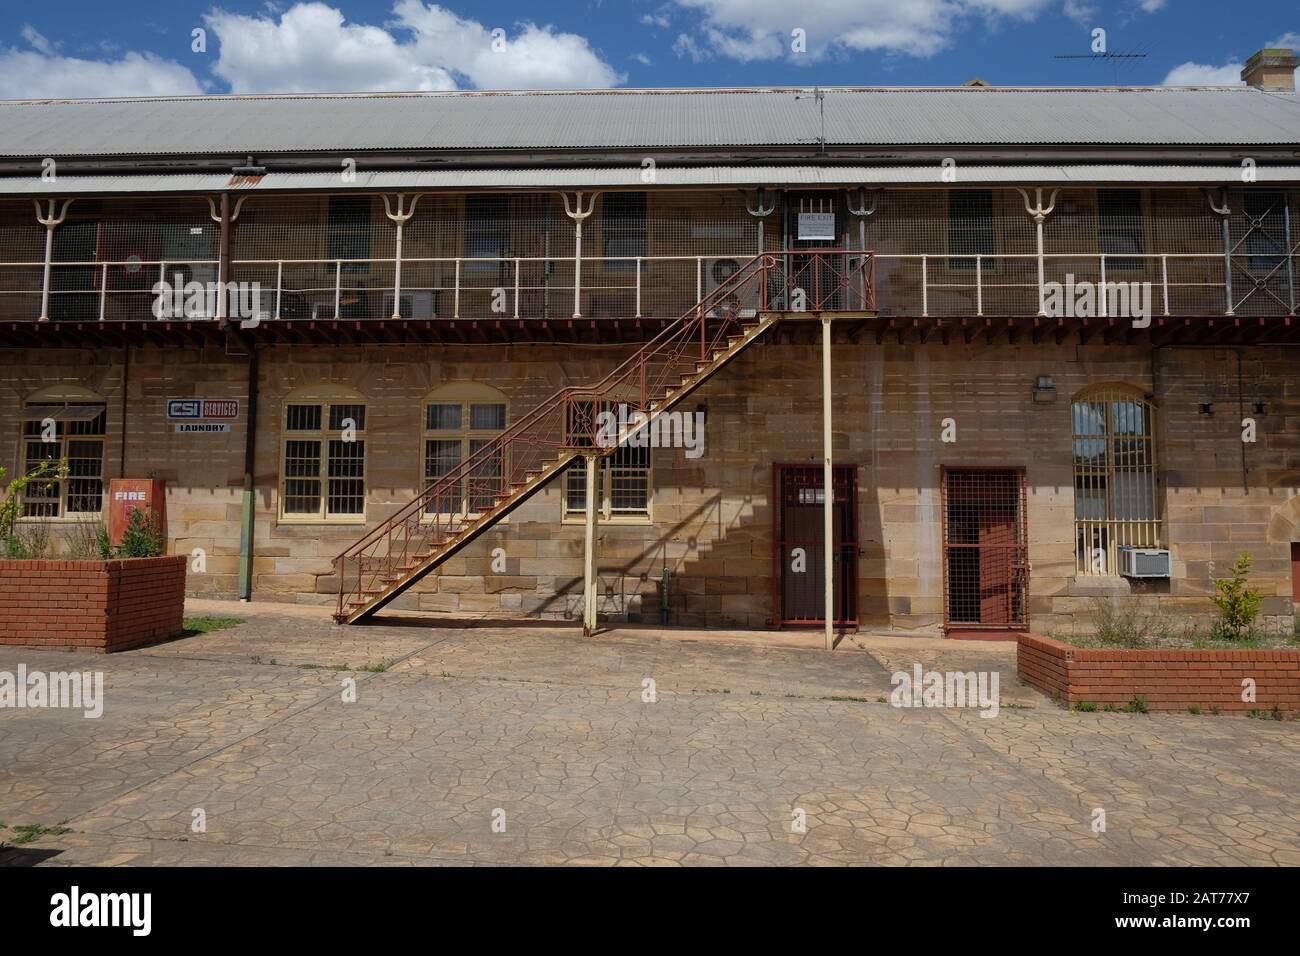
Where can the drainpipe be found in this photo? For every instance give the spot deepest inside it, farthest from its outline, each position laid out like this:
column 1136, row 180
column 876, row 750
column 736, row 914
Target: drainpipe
column 399, row 219
column 51, row 221
column 246, row 524
column 225, row 218
column 862, row 211
column 577, row 214
column 1224, row 211
column 760, row 211
column 828, row 484
column 126, row 379
column 1039, row 213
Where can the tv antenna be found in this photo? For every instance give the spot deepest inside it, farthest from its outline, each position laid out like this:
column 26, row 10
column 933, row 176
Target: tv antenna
column 820, row 96
column 1115, row 59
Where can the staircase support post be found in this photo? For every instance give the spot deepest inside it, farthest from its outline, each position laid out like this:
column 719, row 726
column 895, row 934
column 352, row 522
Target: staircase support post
column 828, row 471
column 589, row 551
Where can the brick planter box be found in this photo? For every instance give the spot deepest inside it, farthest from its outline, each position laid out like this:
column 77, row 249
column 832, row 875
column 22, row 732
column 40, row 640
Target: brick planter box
column 1169, row 679
column 92, row 605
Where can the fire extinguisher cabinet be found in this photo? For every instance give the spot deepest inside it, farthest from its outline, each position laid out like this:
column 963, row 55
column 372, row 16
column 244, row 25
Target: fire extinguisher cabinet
column 127, row 494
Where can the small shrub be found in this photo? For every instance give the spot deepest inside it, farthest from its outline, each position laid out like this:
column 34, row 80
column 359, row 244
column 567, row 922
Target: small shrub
column 1194, row 710
column 1138, row 705
column 1085, row 707
column 1238, row 605
column 103, row 543
column 1123, row 622
column 81, row 540
column 143, row 535
column 11, row 507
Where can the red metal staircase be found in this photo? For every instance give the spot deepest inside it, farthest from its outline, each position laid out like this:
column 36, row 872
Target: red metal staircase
column 506, row 472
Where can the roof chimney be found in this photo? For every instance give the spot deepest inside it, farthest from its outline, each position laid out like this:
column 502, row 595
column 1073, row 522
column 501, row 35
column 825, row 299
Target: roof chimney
column 1271, row 69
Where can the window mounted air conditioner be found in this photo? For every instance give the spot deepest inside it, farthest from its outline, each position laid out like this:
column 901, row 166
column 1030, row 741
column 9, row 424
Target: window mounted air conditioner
column 1143, row 562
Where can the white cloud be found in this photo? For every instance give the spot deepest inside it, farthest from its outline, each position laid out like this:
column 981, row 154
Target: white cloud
column 685, row 46
column 537, row 57
column 1289, row 40
column 1080, row 11
column 761, row 29
column 311, row 48
column 1200, row 74
column 42, row 71
column 1151, row 6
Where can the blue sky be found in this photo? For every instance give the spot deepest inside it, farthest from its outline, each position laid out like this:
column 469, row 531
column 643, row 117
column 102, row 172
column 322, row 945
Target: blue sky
column 137, row 47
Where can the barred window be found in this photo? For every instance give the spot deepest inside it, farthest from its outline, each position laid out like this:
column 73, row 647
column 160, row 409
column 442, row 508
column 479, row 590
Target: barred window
column 64, row 430
column 622, row 223
column 323, row 462
column 623, row 490
column 487, row 231
column 1119, row 227
column 970, row 228
column 1116, row 503
column 460, row 419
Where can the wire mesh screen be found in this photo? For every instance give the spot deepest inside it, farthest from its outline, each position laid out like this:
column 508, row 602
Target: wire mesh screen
column 985, row 548
column 950, row 251
column 21, row 248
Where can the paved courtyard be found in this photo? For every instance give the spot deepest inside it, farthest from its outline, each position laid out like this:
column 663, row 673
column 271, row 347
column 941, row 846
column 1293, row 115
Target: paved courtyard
column 458, row 733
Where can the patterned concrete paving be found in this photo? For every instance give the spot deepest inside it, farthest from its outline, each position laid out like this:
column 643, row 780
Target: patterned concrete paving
column 549, row 733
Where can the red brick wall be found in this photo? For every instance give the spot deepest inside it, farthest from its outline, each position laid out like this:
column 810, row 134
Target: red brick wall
column 92, row 605
column 1169, row 679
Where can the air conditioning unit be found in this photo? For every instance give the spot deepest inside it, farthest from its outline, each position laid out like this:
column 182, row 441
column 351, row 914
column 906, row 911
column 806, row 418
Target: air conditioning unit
column 1143, row 562
column 743, row 301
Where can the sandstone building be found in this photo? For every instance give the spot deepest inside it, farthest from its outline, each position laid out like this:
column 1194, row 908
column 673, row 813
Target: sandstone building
column 1065, row 357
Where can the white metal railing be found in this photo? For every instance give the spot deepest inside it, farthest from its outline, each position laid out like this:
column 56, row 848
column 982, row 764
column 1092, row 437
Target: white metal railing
column 930, row 284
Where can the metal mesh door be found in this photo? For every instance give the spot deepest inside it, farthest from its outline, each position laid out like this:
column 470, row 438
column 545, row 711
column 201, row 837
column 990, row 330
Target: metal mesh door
column 986, row 567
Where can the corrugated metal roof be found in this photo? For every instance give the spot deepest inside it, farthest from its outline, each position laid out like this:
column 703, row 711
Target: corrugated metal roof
column 666, row 177
column 632, row 119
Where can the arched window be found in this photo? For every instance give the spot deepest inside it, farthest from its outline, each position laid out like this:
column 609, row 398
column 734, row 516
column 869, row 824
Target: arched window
column 64, row 422
column 323, row 455
column 1116, row 500
column 459, row 419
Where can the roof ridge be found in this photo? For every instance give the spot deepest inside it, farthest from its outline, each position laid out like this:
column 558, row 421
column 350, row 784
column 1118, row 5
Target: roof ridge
column 628, row 91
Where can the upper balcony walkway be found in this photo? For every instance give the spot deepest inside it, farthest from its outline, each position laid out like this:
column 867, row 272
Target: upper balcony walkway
column 1177, row 267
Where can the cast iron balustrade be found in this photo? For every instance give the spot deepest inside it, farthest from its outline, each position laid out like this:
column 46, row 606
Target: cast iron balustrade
column 513, row 466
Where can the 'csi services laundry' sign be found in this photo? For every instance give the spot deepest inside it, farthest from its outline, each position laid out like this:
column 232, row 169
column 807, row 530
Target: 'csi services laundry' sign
column 199, row 408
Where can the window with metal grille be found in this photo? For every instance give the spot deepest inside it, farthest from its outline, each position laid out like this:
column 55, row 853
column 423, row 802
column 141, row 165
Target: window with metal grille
column 323, row 468
column 970, row 227
column 623, row 489
column 1116, row 500
column 350, row 224
column 1119, row 227
column 622, row 225
column 460, row 420
column 487, row 229
column 73, row 432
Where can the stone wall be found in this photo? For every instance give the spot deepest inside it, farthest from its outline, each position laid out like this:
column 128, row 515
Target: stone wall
column 712, row 518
